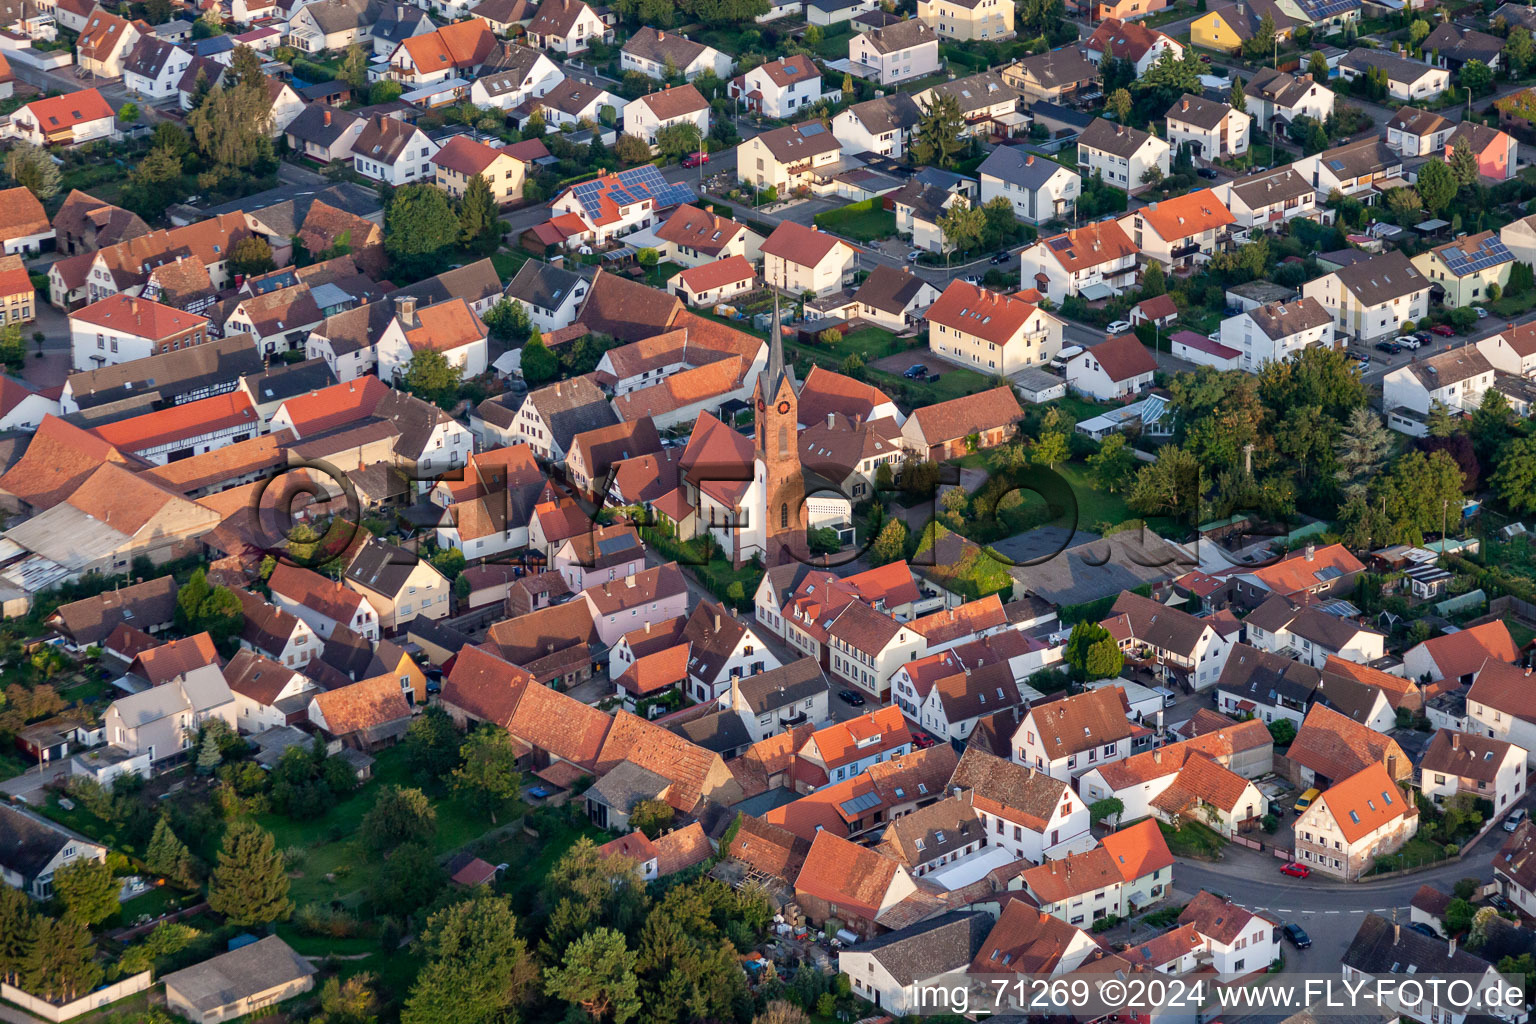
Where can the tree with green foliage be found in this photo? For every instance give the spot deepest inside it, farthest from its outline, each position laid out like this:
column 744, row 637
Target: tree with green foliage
column 679, row 140
column 1363, row 448
column 60, row 964
column 632, row 149
column 1519, row 51
column 1476, row 76
column 1515, row 479
column 1170, row 76
column 647, row 257
column 430, row 376
column 890, row 544
column 432, row 745
column 1458, row 916
column 1417, row 32
column 1463, row 164
column 488, row 771
column 1239, row 99
column 232, row 123
column 420, row 229
column 651, row 817
column 386, row 90
column 1436, row 186
column 1051, row 448
column 1317, row 67
column 13, row 350
column 1119, row 104
column 1170, row 486
column 16, row 924
column 354, row 68
column 87, row 889
column 249, row 885
column 1153, row 280
column 128, row 113
column 409, row 878
column 962, row 225
column 29, row 166
column 1080, row 641
column 1282, row 731
column 349, row 1002
column 479, row 229
column 507, row 320
column 168, row 856
column 1440, row 422
column 597, row 974
column 1104, row 660
column 939, row 141
column 1109, row 807
column 251, row 256
column 1261, row 45
column 397, row 817
column 539, row 364
column 154, row 183
column 475, row 967
column 205, row 608
column 1112, row 463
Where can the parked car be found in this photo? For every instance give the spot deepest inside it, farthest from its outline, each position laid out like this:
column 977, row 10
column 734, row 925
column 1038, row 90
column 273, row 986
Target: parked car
column 922, row 741
column 1208, row 172
column 1515, row 818
column 913, row 255
column 916, row 371
column 1120, row 327
column 1297, row 935
column 1499, row 903
column 1424, row 928
column 1482, row 314
column 695, row 159
column 1295, row 870
column 1408, row 341
column 1391, row 348
column 973, row 279
column 1443, row 330
column 1002, row 257
column 851, row 697
column 1424, row 336
column 1305, row 800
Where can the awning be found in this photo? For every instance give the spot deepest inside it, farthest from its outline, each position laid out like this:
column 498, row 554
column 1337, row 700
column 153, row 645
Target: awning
column 622, row 252
column 1094, row 292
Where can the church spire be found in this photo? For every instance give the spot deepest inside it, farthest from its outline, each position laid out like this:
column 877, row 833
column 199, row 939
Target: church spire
column 776, row 369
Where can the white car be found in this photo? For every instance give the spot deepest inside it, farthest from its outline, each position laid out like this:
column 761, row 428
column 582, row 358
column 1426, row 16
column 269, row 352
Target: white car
column 1120, row 327
column 913, row 255
column 1409, row 341
column 1482, row 314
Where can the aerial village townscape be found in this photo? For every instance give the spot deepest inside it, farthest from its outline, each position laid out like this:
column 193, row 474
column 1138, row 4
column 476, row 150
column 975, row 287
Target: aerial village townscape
column 729, row 511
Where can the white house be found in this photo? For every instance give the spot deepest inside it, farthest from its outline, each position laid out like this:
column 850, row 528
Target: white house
column 36, row 849
column 1265, row 200
column 394, row 152
column 1415, row 132
column 654, row 53
column 121, row 328
column 1455, row 379
column 1094, row 261
column 1068, row 736
column 154, row 68
column 1180, row 232
column 1311, row 635
column 1120, row 155
column 898, row 52
column 1130, row 872
column 1407, row 80
column 880, row 126
column 779, row 88
column 69, row 120
column 1499, row 705
column 889, row 970
column 1240, row 942
column 1114, row 368
column 1512, row 350
column 567, row 26
column 1488, row 769
column 321, row 603
column 1177, row 641
column 646, row 115
column 1213, row 131
column 551, row 294
column 1027, row 811
column 1277, row 95
column 268, row 694
column 1038, row 189
column 1370, row 299
column 1276, row 331
column 798, row 259
column 450, row 328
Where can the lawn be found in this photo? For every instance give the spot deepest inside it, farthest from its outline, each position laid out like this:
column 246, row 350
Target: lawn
column 1192, row 839
column 859, row 221
column 1520, row 632
column 508, row 263
column 1094, row 506
column 833, row 45
column 1416, row 851
column 329, row 845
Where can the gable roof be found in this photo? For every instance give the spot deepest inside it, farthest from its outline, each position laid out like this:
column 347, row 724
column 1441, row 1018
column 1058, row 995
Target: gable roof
column 1071, row 725
column 1505, row 688
column 560, row 725
column 961, row 417
column 1090, row 245
column 1008, row 789
column 59, row 458
column 854, row 877
column 1128, row 40
column 1024, row 941
column 1336, row 746
column 678, row 101
column 1123, row 357
column 1366, row 801
column 805, row 246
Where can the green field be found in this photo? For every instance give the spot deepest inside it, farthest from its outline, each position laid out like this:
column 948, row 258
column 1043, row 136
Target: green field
column 862, row 222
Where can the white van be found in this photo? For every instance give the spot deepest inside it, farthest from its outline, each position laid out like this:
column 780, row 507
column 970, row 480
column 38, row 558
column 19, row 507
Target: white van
column 1067, row 353
column 1169, row 697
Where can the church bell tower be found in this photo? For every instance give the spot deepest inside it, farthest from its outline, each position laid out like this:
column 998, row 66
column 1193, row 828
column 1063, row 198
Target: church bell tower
column 776, row 406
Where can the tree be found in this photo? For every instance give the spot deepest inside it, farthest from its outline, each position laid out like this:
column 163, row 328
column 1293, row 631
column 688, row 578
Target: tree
column 1082, row 638
column 1362, row 450
column 962, row 225
column 1153, row 280
column 204, row 608
column 13, row 350
column 1463, row 164
column 1119, row 103
column 29, row 166
column 489, row 772
column 539, row 365
column 1170, row 77
column 782, row 1011
column 1282, row 731
column 431, row 744
column 1417, row 32
column 88, row 890
column 60, row 964
column 349, row 1002
column 249, row 886
column 128, row 113
column 1476, row 77
column 154, row 182
column 399, row 816
column 1440, row 422
column 1317, row 67
column 1404, row 201
column 409, row 879
column 1169, row 486
column 891, row 543
column 597, row 974
column 508, row 320
column 1262, row 44
column 647, row 257
column 678, row 140
column 1109, row 807
column 420, row 229
column 1051, row 448
column 476, row 968
column 1239, row 98
column 232, row 125
column 430, row 376
column 387, row 90
column 1458, row 916
column 1515, row 480
column 651, row 817
column 251, row 256
column 938, row 141
column 1112, row 463
column 354, row 68
column 1519, row 50
column 16, row 924
column 1104, row 660
column 167, row 855
column 478, row 227
column 632, row 149
column 1436, row 186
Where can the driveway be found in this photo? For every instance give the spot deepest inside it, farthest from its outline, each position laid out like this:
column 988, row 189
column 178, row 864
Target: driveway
column 1041, row 544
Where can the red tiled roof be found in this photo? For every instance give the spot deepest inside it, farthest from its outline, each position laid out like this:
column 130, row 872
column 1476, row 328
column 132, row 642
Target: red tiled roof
column 1366, row 801
column 204, row 416
column 76, row 108
column 718, row 274
column 334, row 406
column 972, row 309
column 143, row 318
column 799, row 244
column 852, row 877
column 1463, row 652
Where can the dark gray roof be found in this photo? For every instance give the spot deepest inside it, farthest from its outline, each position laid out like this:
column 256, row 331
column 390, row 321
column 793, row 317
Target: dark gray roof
column 356, row 328
column 1023, row 169
column 937, row 946
column 901, row 36
column 542, row 284
column 722, row 732
column 1382, row 278
column 144, row 606
column 149, row 56
column 1382, row 948
column 169, row 374
column 1109, row 137
column 239, row 974
column 653, row 45
column 1398, row 69
column 399, row 22
column 311, row 124
column 471, row 282
column 626, row 784
column 926, row 201
column 1463, row 44
column 571, row 407
column 974, row 92
column 506, row 70
column 28, row 843
column 1278, row 320
column 781, row 687
column 1264, row 678
column 346, row 195
column 382, row 568
column 1198, row 111
column 887, row 113
column 284, row 381
column 340, row 15
column 1269, row 187
column 1068, row 65
column 414, row 418
column 889, row 288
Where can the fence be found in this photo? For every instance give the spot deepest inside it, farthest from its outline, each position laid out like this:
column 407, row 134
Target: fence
column 1510, row 605
column 58, row 1012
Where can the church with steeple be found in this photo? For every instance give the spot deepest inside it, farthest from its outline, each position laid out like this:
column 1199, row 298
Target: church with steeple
column 776, row 461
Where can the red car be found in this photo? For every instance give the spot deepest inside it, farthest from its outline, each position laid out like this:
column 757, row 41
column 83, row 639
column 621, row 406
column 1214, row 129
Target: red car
column 695, row 159
column 1296, row 870
column 1443, row 331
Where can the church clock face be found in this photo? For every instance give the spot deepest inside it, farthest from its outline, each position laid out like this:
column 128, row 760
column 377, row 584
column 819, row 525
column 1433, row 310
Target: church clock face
column 784, row 407
column 761, row 405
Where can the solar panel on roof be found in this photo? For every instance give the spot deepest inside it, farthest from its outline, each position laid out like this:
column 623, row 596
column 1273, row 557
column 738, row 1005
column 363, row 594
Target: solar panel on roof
column 859, row 803
column 610, row 545
column 815, row 128
column 1058, row 244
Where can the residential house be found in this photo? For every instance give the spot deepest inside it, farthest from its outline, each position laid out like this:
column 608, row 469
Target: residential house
column 1280, row 96
column 1455, row 379
column 1497, row 152
column 1499, row 704
column 549, row 293
column 461, row 159
column 798, row 259
column 1132, row 870
column 1265, row 200
column 898, row 52
column 891, row 969
column 865, row 647
column 1028, row 812
column 1330, row 747
column 514, row 76
column 1240, row 942
column 1310, row 634
column 444, row 54
column 324, row 134
column 34, row 849
column 1320, row 572
column 105, row 42
column 779, row 88
column 1371, row 299
column 1465, row 270
column 1355, row 821
column 1454, row 658
column 153, row 68
column 1094, row 261
column 69, row 120
column 393, row 151
column 1128, row 40
column 1415, row 132
column 331, row 24
column 919, row 209
column 24, row 225
column 1120, row 155
column 851, row 883
column 1070, row 735
column 1212, row 767
column 988, row 105
column 1038, row 189
column 567, row 26
column 1182, row 231
column 695, row 238
column 1451, row 46
column 322, row 603
column 242, row 981
column 1176, row 641
column 162, row 722
column 1407, row 80
column 1514, row 868
column 615, row 205
column 714, row 283
column 1276, row 331
column 967, row 20
column 780, row 699
column 556, row 643
column 449, row 328
column 894, row 298
column 1382, row 949
column 275, row 633
column 365, row 714
column 594, row 453
column 568, row 101
column 1055, row 76
column 658, row 54
column 1213, row 131
column 787, row 158
column 651, row 595
column 880, row 126
column 551, row 417
column 1114, row 368
column 1488, row 769
column 149, row 607
column 1026, row 940
column 399, row 585
column 647, row 115
column 844, row 750
column 280, row 319
column 85, row 224
column 1228, row 29
column 991, row 332
column 120, row 329
column 945, row 430
column 268, row 694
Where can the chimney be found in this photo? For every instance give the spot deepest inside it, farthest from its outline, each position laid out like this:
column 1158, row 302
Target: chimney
column 660, row 35
column 1392, row 766
column 1157, row 755
column 717, row 620
column 327, row 118
column 1397, row 933
column 1184, row 104
column 830, row 417
column 405, row 309
column 1029, row 161
column 1311, row 551
column 629, row 581
column 1452, row 950
column 133, row 306
column 1455, row 741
